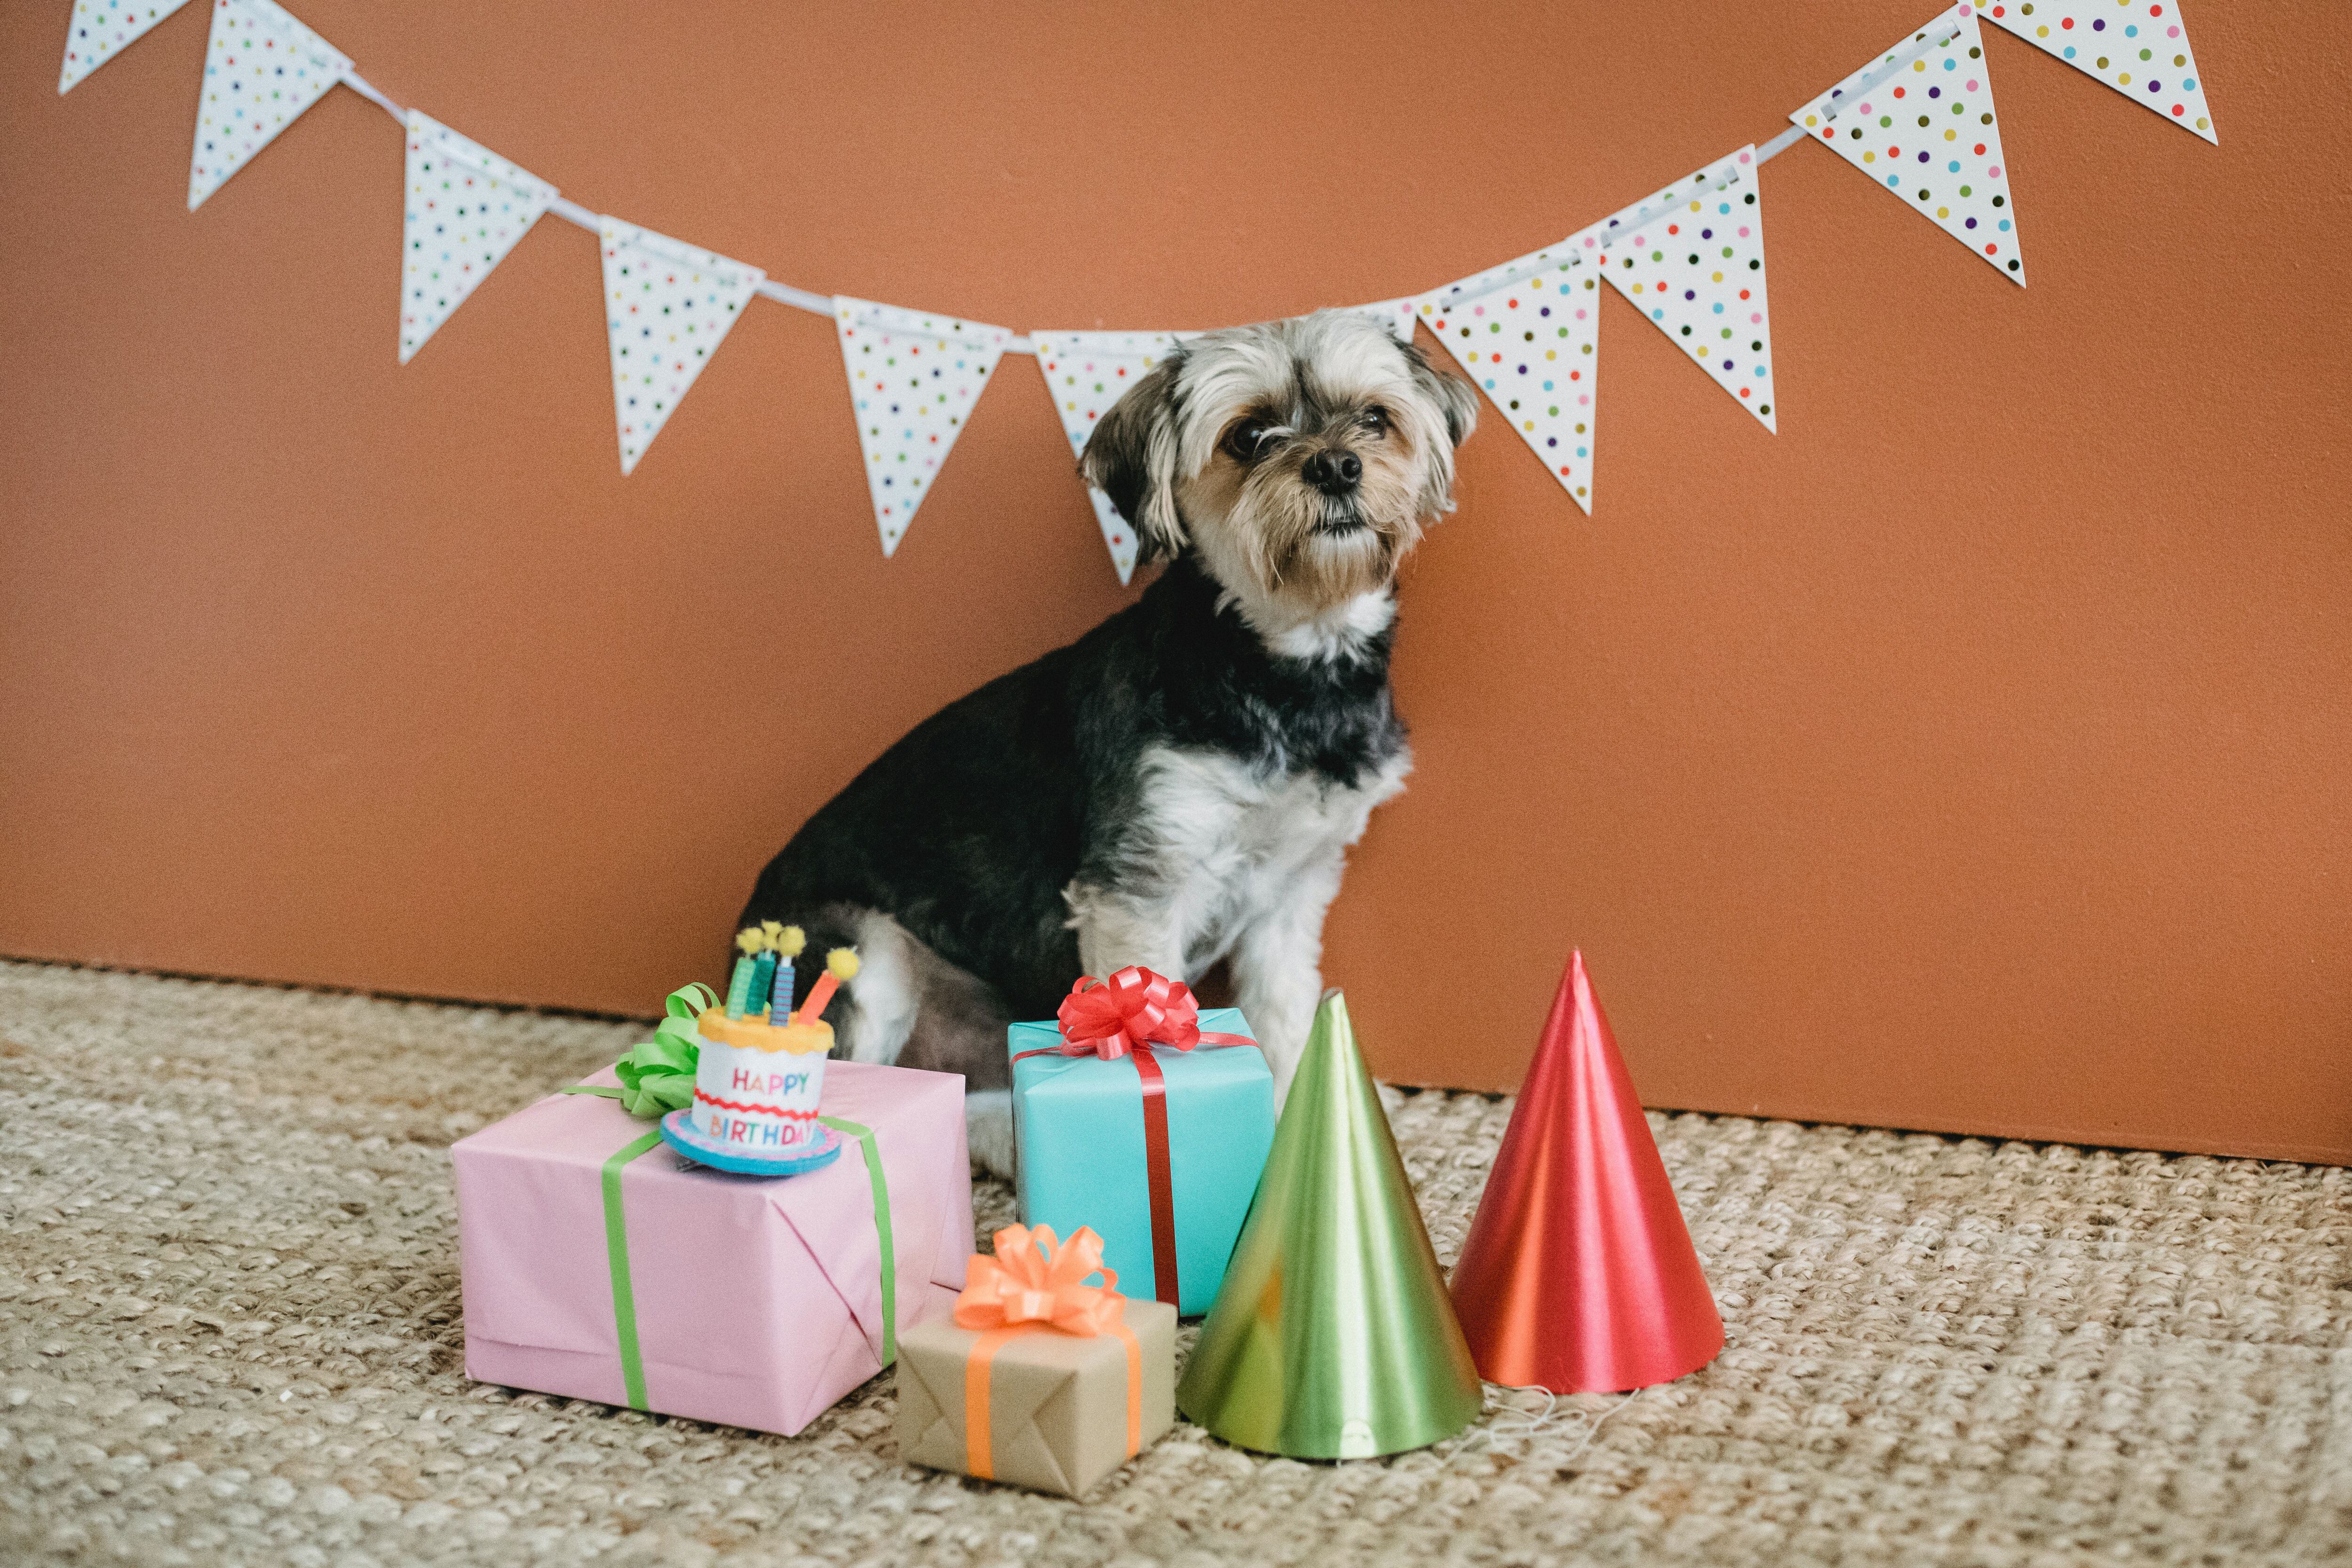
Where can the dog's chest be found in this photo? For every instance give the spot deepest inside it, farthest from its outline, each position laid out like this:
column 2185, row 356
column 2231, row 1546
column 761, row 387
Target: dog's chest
column 1228, row 844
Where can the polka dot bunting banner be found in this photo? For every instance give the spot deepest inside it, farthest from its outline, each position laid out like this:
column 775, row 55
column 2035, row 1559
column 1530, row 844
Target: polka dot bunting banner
column 668, row 307
column 465, row 207
column 1528, row 333
column 1920, row 122
column 913, row 379
column 1928, row 134
column 262, row 70
column 1086, row 373
column 101, row 28
column 2139, row 47
column 1691, row 258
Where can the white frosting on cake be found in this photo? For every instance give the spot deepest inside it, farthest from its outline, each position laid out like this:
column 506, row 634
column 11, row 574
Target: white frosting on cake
column 761, row 1102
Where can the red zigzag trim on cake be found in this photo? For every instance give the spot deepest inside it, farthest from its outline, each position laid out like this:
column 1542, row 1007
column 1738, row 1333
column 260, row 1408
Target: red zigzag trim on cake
column 754, row 1110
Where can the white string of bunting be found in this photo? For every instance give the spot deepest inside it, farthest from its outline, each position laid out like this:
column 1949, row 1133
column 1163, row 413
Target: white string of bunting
column 1918, row 120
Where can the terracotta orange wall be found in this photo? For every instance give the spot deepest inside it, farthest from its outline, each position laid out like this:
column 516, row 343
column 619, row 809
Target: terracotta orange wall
column 1972, row 755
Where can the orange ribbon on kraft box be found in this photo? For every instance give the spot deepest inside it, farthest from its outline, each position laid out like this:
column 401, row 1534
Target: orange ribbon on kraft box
column 1043, row 1379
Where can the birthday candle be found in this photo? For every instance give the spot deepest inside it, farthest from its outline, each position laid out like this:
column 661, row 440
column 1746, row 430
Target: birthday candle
column 787, row 943
column 739, row 984
column 840, row 964
column 763, row 972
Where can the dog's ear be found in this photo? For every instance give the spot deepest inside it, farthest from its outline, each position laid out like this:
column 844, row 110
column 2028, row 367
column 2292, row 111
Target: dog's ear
column 1456, row 408
column 1450, row 395
column 1131, row 457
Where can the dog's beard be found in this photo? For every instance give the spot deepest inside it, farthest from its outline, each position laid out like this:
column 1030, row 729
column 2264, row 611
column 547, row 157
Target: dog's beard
column 1317, row 550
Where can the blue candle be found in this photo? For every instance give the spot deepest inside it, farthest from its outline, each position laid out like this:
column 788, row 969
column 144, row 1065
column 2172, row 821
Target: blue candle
column 787, row 941
column 780, row 1000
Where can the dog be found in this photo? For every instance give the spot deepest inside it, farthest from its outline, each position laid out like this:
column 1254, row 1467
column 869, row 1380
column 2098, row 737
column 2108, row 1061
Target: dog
column 1181, row 784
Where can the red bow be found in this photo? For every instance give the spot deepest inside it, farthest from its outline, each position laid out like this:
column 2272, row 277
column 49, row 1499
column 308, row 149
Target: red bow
column 1133, row 1007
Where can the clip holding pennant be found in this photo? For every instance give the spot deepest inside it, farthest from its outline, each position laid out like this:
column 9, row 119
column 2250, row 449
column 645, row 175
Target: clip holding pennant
column 1397, row 315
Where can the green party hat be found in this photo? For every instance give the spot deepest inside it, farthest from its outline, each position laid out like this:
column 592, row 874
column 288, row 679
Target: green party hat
column 1332, row 1337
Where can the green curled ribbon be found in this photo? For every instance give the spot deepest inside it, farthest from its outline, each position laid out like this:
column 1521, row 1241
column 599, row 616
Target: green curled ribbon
column 658, row 1075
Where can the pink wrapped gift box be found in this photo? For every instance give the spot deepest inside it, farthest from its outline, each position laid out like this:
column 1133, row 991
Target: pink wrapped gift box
column 756, row 1302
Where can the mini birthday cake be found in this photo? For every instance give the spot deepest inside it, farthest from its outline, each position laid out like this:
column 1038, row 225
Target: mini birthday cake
column 758, row 1083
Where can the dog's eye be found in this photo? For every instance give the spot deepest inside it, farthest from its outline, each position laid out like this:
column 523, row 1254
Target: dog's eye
column 1247, row 441
column 1375, row 419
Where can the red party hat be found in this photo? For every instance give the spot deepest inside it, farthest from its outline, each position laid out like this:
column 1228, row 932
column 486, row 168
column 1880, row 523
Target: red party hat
column 1579, row 1276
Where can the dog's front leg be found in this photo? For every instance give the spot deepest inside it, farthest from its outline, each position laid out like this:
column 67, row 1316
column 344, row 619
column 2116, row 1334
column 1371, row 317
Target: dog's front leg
column 1116, row 928
column 1276, row 964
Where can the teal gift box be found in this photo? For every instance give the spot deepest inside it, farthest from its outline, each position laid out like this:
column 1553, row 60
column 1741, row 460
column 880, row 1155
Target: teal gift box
column 1166, row 1187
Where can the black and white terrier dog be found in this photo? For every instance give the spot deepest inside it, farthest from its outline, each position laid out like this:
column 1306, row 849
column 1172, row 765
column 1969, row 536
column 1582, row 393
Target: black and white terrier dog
column 1181, row 784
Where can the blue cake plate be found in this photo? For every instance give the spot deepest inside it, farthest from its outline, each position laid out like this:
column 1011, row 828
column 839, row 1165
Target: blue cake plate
column 678, row 1131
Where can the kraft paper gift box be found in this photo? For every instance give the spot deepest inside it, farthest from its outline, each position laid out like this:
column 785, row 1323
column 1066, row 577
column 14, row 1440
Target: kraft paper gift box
column 598, row 1264
column 1166, row 1184
column 1031, row 1404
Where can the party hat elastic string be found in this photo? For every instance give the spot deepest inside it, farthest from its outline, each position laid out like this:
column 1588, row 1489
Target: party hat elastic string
column 1480, row 1440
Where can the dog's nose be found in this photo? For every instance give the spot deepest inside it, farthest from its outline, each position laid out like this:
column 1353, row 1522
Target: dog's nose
column 1334, row 473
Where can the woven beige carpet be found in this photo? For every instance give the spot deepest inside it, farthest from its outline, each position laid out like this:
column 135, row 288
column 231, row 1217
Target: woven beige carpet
column 229, row 1332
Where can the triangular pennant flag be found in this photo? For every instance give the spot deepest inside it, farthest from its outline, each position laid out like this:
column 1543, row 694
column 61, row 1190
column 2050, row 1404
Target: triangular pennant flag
column 913, row 378
column 1086, row 373
column 101, row 28
column 668, row 307
column 2139, row 49
column 262, row 70
column 1528, row 332
column 465, row 207
column 1920, row 123
column 1691, row 258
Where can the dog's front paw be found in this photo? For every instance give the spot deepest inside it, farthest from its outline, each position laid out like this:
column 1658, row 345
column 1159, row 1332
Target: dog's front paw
column 988, row 1130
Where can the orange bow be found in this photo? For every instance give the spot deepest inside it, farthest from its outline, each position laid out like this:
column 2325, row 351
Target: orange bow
column 1038, row 1278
